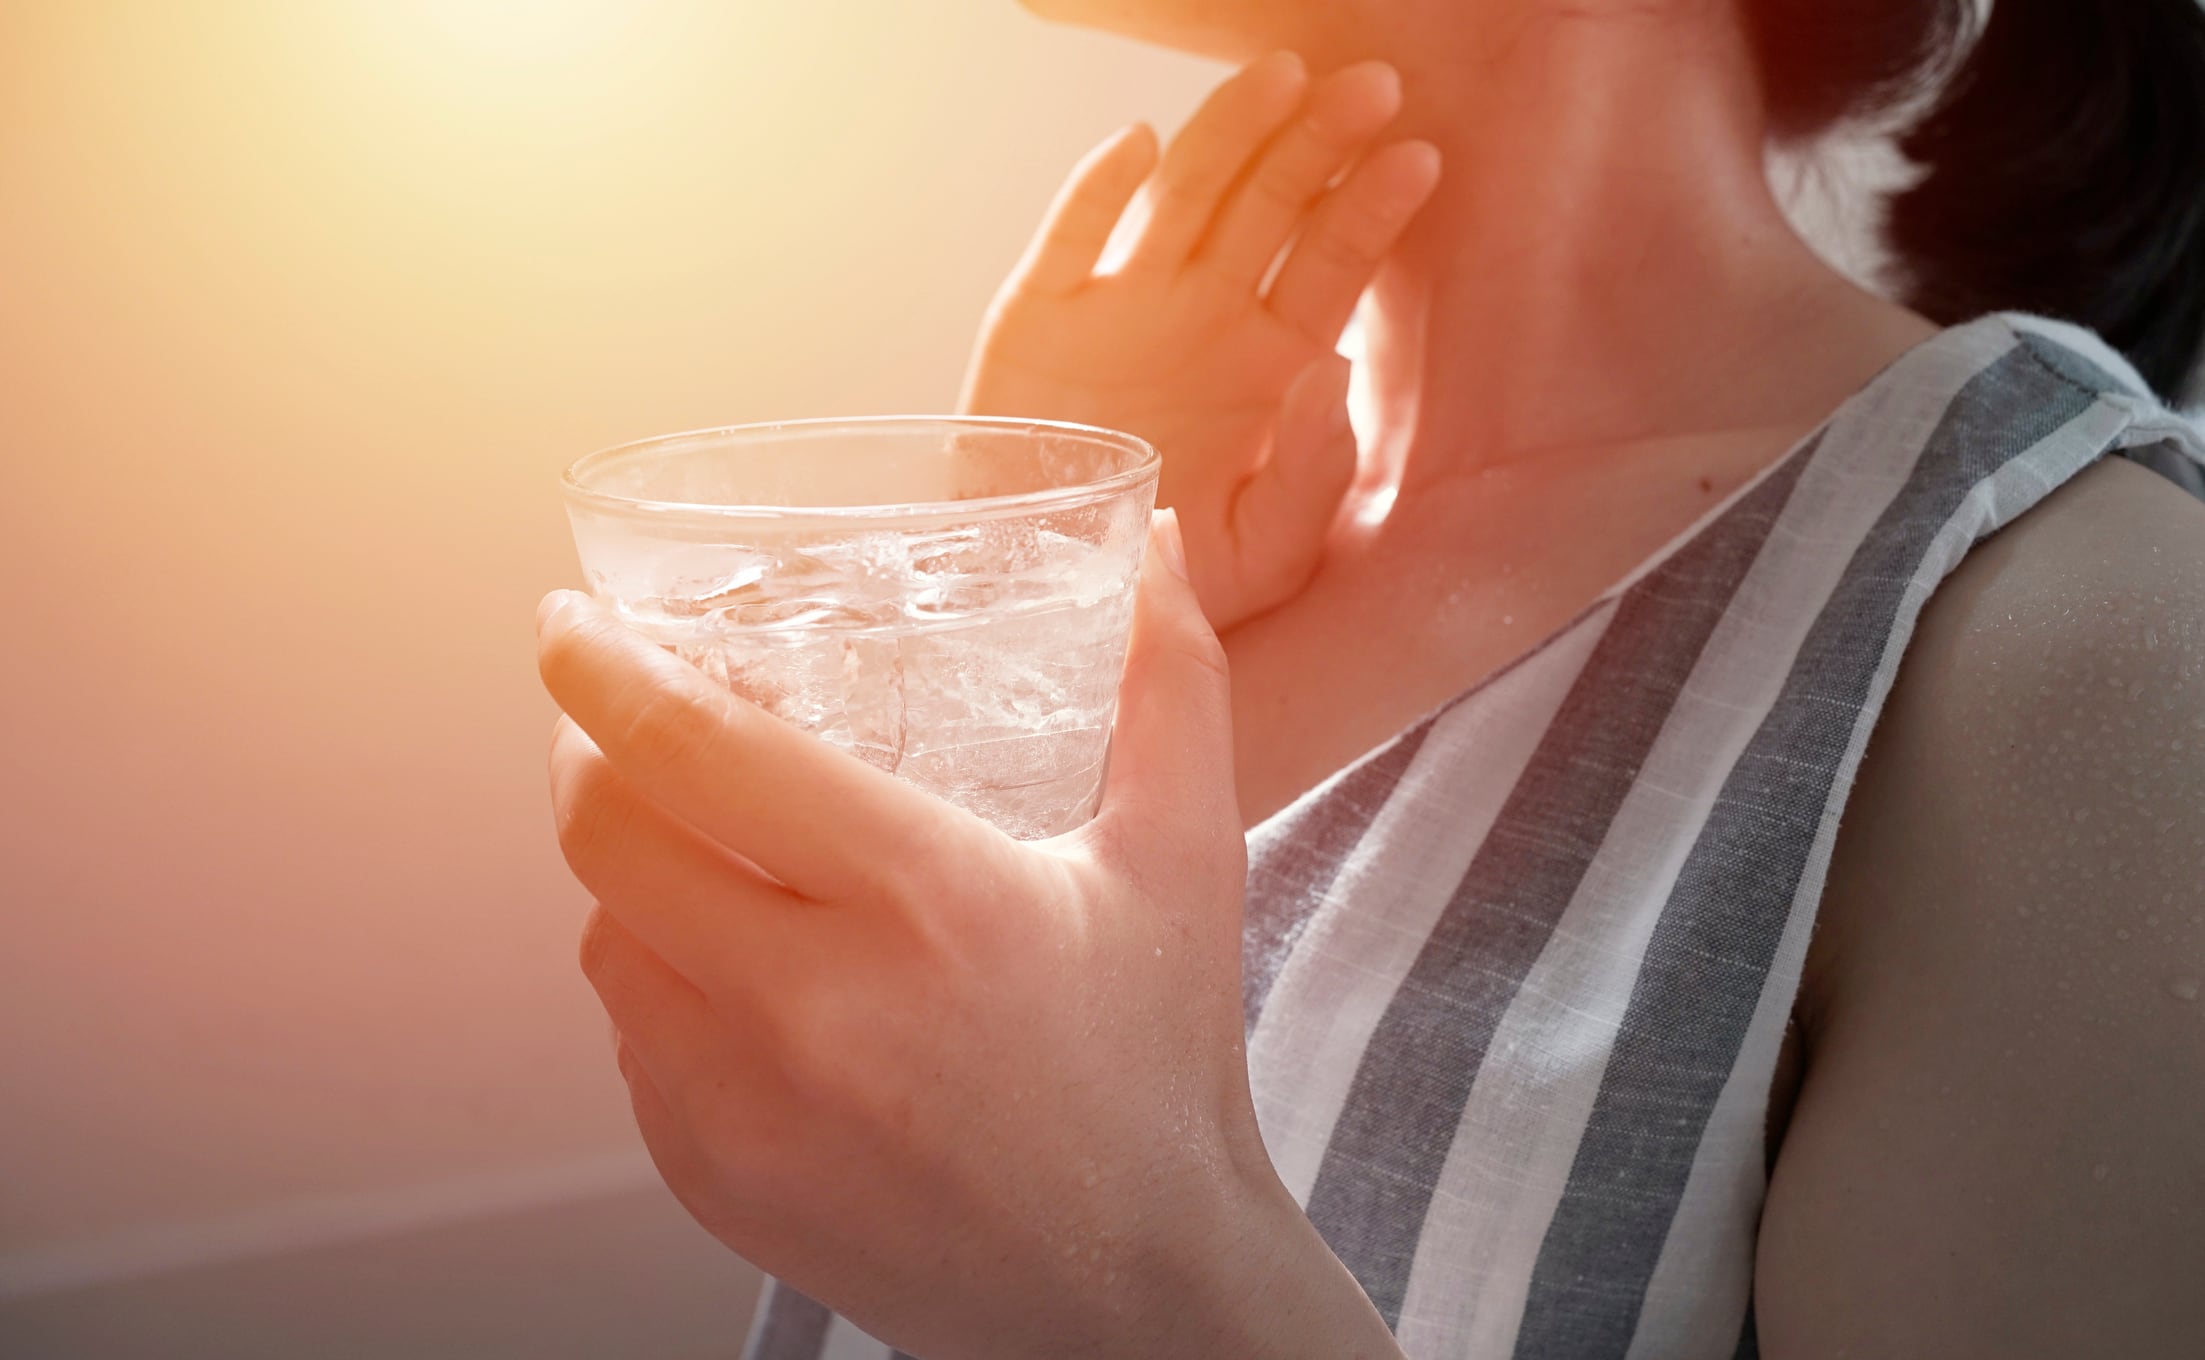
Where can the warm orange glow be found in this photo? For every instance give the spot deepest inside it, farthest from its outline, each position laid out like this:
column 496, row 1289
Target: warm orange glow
column 302, row 308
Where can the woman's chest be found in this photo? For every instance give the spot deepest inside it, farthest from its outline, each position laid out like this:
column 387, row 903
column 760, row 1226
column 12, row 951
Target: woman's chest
column 1351, row 663
column 1399, row 622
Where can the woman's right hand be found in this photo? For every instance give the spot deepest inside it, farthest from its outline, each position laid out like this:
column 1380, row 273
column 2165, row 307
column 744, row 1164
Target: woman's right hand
column 1203, row 339
column 983, row 1097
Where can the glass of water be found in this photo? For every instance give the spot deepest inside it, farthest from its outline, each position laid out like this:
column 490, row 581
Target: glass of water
column 946, row 599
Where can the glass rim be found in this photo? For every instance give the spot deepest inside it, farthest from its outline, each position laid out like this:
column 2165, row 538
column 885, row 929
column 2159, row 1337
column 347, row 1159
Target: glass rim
column 1146, row 468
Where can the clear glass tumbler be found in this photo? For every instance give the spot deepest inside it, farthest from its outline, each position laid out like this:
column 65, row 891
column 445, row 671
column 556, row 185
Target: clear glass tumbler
column 947, row 599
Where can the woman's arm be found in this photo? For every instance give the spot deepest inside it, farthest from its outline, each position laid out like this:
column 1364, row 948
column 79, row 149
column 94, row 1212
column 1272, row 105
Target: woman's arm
column 1999, row 1149
column 984, row 1098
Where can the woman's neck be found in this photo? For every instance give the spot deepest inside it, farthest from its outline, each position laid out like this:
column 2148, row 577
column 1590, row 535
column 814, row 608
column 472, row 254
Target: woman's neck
column 1604, row 264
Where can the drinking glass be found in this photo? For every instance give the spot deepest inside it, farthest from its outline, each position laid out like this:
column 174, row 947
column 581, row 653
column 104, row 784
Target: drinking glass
column 945, row 598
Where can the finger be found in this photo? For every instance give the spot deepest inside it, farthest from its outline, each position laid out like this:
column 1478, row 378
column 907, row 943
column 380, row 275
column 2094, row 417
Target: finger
column 667, row 1024
column 685, row 1167
column 1327, row 270
column 671, row 1150
column 821, row 821
column 1171, row 756
column 666, row 1031
column 717, row 1163
column 1280, row 518
column 1211, row 151
column 653, row 1115
column 1342, row 116
column 1077, row 229
column 713, row 917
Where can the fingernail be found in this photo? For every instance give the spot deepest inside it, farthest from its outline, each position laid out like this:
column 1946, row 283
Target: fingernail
column 1170, row 545
column 1429, row 160
column 1336, row 409
column 1323, row 385
column 1388, row 77
column 548, row 608
column 1337, row 422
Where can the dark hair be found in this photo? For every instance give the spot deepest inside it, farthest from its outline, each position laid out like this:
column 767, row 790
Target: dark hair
column 2064, row 154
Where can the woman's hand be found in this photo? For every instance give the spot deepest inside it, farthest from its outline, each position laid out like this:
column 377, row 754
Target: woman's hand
column 982, row 1097
column 1203, row 340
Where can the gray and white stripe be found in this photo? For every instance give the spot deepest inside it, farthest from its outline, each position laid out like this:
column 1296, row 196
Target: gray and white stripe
column 1707, row 963
column 1516, row 981
column 1383, row 1162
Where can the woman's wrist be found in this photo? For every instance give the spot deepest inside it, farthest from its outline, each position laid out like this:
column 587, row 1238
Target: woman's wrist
column 1260, row 1282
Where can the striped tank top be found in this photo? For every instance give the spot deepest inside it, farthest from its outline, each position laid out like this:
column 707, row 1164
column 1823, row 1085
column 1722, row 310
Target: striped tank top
column 1516, row 981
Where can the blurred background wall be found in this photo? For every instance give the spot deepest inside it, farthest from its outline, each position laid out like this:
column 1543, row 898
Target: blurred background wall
column 302, row 308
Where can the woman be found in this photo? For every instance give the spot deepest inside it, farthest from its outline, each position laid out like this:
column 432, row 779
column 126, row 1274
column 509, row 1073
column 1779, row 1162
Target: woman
column 1548, row 704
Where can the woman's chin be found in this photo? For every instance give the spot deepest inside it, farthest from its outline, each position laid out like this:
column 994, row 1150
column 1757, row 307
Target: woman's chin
column 1230, row 30
column 1131, row 18
column 1084, row 12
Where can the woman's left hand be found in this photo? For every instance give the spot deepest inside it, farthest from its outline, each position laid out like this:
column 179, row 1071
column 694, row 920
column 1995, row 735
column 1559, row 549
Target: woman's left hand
column 981, row 1097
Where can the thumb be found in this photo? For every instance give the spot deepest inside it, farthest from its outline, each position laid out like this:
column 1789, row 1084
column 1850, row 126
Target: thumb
column 1283, row 512
column 1171, row 758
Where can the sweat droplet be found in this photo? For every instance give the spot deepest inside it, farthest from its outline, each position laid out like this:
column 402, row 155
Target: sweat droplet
column 2184, row 988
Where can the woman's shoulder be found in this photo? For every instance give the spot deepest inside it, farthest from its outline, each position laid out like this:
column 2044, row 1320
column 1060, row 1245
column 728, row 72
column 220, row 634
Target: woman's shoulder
column 2050, row 707
column 2104, row 579
column 2004, row 1025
